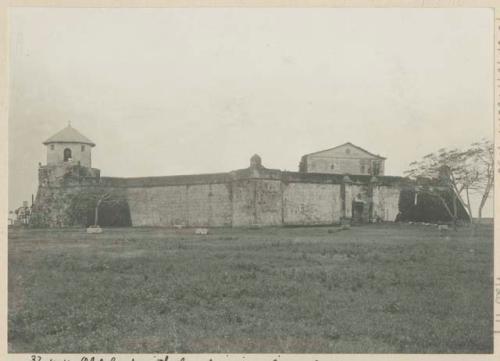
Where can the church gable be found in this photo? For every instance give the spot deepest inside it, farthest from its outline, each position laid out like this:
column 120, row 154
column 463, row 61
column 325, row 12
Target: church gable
column 347, row 150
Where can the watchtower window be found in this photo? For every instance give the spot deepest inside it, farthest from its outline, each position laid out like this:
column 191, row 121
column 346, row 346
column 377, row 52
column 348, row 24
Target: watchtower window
column 83, row 148
column 67, row 154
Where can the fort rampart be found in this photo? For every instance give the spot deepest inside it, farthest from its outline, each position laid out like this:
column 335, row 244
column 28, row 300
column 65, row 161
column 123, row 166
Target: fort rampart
column 246, row 197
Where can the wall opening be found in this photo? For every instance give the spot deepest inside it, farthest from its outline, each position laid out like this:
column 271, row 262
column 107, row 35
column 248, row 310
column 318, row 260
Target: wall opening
column 67, row 154
column 357, row 211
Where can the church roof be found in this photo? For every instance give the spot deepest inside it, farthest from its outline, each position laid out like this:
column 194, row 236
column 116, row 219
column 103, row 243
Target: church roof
column 352, row 145
column 69, row 135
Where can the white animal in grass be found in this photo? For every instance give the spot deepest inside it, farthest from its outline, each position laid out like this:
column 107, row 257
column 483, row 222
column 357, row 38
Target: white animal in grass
column 201, row 231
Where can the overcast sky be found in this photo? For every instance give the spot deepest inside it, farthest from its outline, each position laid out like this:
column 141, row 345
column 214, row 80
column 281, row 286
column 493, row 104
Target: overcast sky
column 178, row 91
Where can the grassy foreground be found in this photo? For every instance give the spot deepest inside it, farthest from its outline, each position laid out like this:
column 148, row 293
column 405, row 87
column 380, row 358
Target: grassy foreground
column 376, row 288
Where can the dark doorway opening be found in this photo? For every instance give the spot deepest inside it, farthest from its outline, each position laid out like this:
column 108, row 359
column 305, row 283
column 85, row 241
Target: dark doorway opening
column 357, row 211
column 67, row 154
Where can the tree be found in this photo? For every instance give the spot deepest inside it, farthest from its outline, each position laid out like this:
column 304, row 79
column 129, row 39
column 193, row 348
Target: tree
column 104, row 197
column 441, row 173
column 464, row 172
column 482, row 158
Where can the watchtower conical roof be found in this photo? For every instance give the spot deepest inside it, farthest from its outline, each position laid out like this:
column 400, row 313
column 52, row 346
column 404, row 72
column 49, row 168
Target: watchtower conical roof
column 69, row 135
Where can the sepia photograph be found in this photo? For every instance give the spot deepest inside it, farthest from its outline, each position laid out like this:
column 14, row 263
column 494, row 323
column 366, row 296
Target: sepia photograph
column 251, row 180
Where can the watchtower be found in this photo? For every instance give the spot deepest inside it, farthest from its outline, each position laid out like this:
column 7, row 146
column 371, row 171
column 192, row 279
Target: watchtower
column 69, row 146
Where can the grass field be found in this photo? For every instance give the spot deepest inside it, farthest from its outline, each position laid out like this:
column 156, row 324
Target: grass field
column 377, row 288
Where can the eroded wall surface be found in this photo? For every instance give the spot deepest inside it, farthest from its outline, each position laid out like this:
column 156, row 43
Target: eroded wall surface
column 243, row 202
column 186, row 205
column 311, row 203
column 240, row 203
column 385, row 203
column 269, row 202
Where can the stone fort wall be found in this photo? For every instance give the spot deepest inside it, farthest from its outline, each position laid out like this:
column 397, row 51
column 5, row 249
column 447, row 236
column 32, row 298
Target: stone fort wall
column 246, row 197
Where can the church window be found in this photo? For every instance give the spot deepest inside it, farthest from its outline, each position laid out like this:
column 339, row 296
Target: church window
column 362, row 165
column 52, row 147
column 83, row 148
column 67, row 154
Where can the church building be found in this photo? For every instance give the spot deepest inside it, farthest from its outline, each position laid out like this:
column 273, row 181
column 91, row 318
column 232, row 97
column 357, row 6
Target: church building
column 343, row 159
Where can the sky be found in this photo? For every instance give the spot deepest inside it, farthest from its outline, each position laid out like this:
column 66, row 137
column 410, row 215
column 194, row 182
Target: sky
column 183, row 91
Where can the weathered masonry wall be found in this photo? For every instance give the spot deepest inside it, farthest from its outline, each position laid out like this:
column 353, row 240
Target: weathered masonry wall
column 251, row 202
column 385, row 202
column 188, row 205
column 311, row 204
column 246, row 197
column 257, row 201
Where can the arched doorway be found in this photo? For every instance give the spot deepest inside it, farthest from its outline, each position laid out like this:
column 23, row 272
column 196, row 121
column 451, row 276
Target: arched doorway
column 67, row 154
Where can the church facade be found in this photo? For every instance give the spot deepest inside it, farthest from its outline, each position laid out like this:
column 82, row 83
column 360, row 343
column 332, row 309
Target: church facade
column 343, row 159
column 69, row 190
